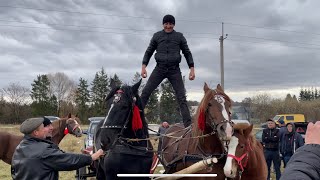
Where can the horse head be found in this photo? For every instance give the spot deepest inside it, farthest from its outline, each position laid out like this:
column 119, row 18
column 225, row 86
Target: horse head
column 241, row 144
column 125, row 116
column 73, row 126
column 214, row 113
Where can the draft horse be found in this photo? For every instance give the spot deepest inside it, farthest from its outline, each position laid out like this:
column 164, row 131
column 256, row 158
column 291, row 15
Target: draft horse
column 245, row 155
column 206, row 138
column 9, row 141
column 124, row 121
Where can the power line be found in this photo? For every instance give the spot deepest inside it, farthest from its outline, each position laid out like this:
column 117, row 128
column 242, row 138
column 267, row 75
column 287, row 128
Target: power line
column 142, row 17
column 81, row 26
column 100, row 14
column 129, row 33
column 274, row 40
column 80, row 30
column 245, row 41
column 274, row 29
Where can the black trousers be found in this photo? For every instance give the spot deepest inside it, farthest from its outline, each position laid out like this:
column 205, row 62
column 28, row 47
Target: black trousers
column 173, row 73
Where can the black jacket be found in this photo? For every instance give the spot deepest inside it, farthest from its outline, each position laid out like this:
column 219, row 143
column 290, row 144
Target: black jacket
column 270, row 139
column 304, row 164
column 38, row 159
column 168, row 46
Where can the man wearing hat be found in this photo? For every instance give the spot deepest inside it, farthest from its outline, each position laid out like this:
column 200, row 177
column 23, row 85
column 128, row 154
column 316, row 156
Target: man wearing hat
column 37, row 158
column 168, row 43
column 270, row 140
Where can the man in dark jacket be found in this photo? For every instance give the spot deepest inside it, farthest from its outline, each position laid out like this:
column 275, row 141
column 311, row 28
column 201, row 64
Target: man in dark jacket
column 39, row 159
column 270, row 140
column 305, row 163
column 168, row 44
column 290, row 142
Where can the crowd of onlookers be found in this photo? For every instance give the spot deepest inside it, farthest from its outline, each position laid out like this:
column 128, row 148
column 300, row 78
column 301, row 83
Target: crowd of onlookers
column 280, row 144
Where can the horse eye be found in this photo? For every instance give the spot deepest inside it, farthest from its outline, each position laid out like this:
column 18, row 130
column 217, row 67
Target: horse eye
column 242, row 146
column 209, row 104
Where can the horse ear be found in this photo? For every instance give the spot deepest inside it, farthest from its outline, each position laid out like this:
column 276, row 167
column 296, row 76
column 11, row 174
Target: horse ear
column 69, row 115
column 248, row 131
column 219, row 87
column 206, row 87
column 135, row 87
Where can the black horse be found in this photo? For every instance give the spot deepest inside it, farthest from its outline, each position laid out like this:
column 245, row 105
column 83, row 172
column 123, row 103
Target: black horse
column 125, row 120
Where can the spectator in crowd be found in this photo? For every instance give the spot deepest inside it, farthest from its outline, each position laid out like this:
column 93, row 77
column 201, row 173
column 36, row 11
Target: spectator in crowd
column 270, row 140
column 290, row 142
column 162, row 130
column 283, row 128
column 168, row 44
column 39, row 159
column 305, row 163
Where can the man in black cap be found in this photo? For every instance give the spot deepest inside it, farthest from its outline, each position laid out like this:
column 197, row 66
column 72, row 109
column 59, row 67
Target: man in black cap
column 168, row 43
column 270, row 140
column 37, row 158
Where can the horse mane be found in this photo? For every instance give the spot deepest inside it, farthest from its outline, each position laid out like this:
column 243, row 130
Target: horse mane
column 203, row 106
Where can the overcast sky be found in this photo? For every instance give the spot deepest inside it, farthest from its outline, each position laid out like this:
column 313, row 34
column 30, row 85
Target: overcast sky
column 272, row 46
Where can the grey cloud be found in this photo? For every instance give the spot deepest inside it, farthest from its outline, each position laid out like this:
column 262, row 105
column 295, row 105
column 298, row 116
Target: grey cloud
column 251, row 60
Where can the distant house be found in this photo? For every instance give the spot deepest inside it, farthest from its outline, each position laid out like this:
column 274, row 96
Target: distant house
column 240, row 112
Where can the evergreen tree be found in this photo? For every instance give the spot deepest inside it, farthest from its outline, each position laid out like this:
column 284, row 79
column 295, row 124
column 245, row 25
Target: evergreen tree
column 169, row 109
column 100, row 89
column 301, row 95
column 316, row 93
column 115, row 81
column 43, row 103
column 152, row 108
column 82, row 98
column 136, row 78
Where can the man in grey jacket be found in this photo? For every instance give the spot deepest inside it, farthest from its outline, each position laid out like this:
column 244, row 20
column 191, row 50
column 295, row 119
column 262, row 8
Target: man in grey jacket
column 39, row 159
column 168, row 43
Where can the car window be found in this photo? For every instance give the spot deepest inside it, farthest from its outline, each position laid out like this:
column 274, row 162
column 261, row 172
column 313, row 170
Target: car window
column 290, row 118
column 281, row 118
column 93, row 127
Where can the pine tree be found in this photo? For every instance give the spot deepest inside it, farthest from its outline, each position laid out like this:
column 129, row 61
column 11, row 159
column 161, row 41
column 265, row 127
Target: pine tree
column 301, row 95
column 100, row 89
column 169, row 109
column 316, row 93
column 136, row 78
column 152, row 108
column 83, row 98
column 43, row 103
column 115, row 81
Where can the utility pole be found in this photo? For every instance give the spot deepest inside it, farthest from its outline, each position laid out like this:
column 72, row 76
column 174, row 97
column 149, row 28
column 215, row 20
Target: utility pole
column 222, row 57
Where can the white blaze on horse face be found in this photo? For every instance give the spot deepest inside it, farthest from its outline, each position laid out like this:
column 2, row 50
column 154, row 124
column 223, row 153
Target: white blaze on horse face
column 105, row 119
column 220, row 99
column 230, row 171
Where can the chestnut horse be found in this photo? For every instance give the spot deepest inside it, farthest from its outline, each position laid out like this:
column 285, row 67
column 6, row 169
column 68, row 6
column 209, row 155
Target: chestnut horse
column 204, row 139
column 9, row 141
column 245, row 155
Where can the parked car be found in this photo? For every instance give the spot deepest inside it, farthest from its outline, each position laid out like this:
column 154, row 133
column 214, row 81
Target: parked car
column 287, row 118
column 52, row 118
column 88, row 171
column 88, row 141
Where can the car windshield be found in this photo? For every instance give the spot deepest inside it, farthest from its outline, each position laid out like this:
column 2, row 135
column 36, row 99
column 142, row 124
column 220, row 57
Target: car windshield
column 276, row 118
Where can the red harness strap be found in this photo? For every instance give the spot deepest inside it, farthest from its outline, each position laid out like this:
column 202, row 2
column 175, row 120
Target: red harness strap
column 239, row 159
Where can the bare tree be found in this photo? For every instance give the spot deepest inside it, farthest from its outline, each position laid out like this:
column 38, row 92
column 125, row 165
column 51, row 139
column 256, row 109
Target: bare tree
column 262, row 107
column 61, row 86
column 17, row 96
